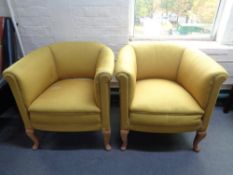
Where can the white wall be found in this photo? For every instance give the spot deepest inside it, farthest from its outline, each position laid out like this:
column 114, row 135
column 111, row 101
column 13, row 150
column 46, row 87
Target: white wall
column 43, row 22
column 3, row 8
column 46, row 21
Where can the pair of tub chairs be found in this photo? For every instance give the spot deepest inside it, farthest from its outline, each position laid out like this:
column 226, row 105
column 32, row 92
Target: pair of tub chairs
column 164, row 88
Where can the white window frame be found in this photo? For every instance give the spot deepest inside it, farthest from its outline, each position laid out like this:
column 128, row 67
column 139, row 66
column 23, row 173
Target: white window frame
column 212, row 37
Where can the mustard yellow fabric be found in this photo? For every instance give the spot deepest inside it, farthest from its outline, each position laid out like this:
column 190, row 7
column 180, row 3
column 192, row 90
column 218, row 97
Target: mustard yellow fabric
column 34, row 73
column 171, row 129
column 174, row 90
column 152, row 58
column 64, row 86
column 126, row 72
column 76, row 59
column 65, row 121
column 64, row 96
column 171, row 122
column 206, row 76
column 103, row 76
column 159, row 96
column 197, row 73
column 103, row 73
column 14, row 86
column 127, row 64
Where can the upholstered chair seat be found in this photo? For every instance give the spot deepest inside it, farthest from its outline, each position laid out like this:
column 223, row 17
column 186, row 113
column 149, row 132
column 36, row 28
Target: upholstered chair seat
column 163, row 103
column 64, row 87
column 65, row 106
column 166, row 88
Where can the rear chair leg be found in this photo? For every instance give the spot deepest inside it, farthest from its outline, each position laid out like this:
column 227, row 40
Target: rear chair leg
column 124, row 137
column 30, row 133
column 198, row 138
column 107, row 136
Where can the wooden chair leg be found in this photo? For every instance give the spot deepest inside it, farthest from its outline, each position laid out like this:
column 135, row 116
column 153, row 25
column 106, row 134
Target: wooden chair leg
column 107, row 136
column 124, row 137
column 30, row 133
column 199, row 136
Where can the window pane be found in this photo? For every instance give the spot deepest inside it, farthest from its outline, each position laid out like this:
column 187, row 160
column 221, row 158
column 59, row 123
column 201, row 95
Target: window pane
column 178, row 18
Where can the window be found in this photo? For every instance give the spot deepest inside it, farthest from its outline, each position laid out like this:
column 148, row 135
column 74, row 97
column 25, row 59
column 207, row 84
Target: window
column 185, row 19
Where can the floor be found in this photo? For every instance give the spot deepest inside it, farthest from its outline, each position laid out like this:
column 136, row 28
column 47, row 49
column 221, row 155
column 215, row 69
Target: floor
column 83, row 153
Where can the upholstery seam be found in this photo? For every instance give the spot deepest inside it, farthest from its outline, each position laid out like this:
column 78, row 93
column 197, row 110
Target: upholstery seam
column 21, row 98
column 54, row 60
column 98, row 56
column 136, row 71
column 11, row 76
column 209, row 95
column 178, row 68
column 171, row 114
column 118, row 75
column 100, row 101
column 69, row 113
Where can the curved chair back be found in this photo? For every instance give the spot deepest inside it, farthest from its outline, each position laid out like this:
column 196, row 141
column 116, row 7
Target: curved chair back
column 76, row 59
column 157, row 60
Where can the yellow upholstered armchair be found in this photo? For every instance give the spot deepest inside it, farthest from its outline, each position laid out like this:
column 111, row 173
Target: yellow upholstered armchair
column 64, row 87
column 166, row 88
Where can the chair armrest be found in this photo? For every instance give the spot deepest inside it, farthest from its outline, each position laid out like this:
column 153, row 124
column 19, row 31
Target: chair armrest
column 105, row 64
column 126, row 71
column 103, row 75
column 202, row 77
column 29, row 77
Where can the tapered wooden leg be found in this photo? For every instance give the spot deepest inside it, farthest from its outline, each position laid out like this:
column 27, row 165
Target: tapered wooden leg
column 199, row 136
column 30, row 133
column 124, row 138
column 107, row 136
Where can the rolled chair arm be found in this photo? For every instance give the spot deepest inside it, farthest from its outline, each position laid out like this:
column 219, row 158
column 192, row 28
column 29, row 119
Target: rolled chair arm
column 28, row 77
column 15, row 89
column 103, row 76
column 126, row 71
column 105, row 64
column 201, row 76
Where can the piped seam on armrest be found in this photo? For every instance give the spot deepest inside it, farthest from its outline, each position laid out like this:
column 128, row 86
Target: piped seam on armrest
column 178, row 68
column 214, row 81
column 54, row 60
column 10, row 77
column 14, row 79
column 104, row 77
column 125, row 76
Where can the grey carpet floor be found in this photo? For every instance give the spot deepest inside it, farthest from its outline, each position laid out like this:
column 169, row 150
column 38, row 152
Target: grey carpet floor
column 83, row 153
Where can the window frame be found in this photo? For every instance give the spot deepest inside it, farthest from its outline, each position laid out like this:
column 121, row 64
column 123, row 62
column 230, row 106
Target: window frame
column 211, row 37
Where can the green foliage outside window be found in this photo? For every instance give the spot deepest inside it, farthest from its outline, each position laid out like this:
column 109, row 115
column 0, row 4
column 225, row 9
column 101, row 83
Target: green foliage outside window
column 198, row 14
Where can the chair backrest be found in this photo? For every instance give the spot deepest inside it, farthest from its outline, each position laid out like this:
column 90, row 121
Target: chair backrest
column 76, row 59
column 157, row 60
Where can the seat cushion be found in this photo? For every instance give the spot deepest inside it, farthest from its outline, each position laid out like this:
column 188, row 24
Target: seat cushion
column 65, row 103
column 158, row 96
column 70, row 95
column 163, row 106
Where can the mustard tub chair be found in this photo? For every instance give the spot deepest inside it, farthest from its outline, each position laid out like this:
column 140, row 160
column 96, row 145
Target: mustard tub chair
column 64, row 87
column 166, row 88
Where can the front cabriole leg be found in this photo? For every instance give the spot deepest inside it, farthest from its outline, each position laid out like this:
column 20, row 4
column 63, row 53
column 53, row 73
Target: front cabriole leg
column 198, row 138
column 31, row 134
column 107, row 136
column 124, row 137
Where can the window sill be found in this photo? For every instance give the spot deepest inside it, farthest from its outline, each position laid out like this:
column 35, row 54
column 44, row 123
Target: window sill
column 203, row 45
